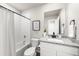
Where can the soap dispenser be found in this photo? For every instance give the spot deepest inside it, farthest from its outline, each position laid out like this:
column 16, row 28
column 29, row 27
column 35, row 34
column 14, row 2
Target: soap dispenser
column 44, row 33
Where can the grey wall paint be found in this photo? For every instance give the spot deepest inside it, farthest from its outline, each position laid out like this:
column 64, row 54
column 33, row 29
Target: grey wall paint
column 38, row 14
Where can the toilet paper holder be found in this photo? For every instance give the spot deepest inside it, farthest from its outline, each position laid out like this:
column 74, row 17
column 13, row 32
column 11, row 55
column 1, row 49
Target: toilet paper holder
column 24, row 36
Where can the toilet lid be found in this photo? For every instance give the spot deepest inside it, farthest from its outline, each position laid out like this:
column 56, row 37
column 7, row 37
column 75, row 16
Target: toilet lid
column 29, row 51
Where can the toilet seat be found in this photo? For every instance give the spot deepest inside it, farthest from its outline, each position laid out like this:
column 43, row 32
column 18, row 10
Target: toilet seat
column 30, row 51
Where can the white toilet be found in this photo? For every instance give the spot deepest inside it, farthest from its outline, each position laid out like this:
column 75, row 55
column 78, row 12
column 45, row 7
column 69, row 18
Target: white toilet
column 31, row 51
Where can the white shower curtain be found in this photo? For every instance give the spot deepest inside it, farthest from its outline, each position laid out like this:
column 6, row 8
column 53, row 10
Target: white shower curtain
column 7, row 40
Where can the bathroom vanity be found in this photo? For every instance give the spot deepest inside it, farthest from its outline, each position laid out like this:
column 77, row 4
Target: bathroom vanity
column 58, row 47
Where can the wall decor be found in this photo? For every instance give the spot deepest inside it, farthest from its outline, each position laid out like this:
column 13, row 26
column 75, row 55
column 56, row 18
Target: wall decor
column 36, row 25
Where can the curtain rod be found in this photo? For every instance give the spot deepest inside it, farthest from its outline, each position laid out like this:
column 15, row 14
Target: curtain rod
column 15, row 12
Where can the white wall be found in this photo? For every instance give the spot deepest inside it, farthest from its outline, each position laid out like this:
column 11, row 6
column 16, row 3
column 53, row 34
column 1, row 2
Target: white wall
column 73, row 13
column 64, row 20
column 37, row 13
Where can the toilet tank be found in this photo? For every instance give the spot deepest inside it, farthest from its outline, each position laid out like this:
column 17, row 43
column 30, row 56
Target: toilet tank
column 34, row 42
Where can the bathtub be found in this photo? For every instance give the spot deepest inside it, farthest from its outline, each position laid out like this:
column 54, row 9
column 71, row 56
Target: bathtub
column 20, row 48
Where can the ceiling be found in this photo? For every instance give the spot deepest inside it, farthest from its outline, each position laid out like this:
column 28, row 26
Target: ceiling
column 52, row 13
column 24, row 6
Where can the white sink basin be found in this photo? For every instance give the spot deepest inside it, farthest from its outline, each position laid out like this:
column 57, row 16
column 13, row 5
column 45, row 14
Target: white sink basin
column 55, row 40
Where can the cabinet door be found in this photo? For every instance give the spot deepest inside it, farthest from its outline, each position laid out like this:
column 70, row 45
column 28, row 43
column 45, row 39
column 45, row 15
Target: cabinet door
column 47, row 49
column 67, row 50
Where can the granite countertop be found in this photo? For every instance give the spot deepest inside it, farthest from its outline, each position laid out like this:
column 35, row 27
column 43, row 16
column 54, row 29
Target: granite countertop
column 63, row 41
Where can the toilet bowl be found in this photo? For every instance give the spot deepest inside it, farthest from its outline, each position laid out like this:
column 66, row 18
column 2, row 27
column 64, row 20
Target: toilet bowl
column 31, row 51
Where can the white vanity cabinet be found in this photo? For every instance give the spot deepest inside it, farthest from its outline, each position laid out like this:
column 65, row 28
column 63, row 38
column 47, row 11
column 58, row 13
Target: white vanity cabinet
column 50, row 49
